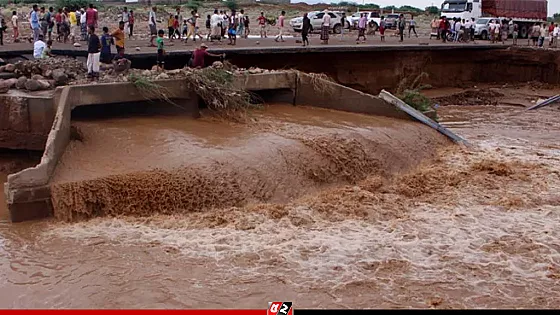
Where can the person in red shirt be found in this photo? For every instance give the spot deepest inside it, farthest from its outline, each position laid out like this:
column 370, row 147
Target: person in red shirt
column 91, row 16
column 443, row 28
column 262, row 25
column 199, row 55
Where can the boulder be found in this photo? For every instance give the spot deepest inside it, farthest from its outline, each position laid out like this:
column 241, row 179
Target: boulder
column 37, row 77
column 7, row 75
column 2, row 68
column 21, row 82
column 10, row 67
column 59, row 77
column 77, row 45
column 137, row 48
column 162, row 76
column 12, row 82
column 32, row 85
column 4, row 86
column 45, row 85
column 47, row 73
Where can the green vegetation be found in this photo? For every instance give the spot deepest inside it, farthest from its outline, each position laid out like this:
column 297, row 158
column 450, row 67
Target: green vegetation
column 432, row 10
column 409, row 90
column 555, row 18
column 194, row 4
column 232, row 4
column 72, row 4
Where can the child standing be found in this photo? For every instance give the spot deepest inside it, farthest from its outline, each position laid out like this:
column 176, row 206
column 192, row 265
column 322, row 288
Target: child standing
column 94, row 45
column 247, row 30
column 382, row 25
column 208, row 27
column 176, row 27
column 106, row 42
column 160, row 51
column 131, row 23
column 185, row 29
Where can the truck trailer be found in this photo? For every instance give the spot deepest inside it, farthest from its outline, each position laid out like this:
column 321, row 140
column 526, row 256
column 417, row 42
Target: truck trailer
column 524, row 13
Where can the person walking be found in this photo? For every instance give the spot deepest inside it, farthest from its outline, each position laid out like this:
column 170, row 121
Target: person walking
column 43, row 21
column 83, row 25
column 232, row 29
column 305, row 30
column 443, row 27
column 125, row 17
column 280, row 27
column 73, row 21
column 35, row 23
column 325, row 27
column 412, row 27
column 152, row 25
column 362, row 22
column 401, row 24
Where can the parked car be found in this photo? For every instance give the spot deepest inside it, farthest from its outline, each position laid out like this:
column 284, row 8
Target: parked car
column 482, row 27
column 391, row 21
column 372, row 17
column 316, row 18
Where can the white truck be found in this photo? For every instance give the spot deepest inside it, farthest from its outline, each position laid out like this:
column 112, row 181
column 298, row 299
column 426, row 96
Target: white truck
column 524, row 13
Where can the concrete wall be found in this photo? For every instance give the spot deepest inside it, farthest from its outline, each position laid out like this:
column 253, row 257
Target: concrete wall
column 28, row 192
column 25, row 120
column 339, row 97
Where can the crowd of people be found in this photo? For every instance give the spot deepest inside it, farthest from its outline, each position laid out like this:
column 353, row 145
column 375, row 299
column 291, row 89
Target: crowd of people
column 81, row 25
column 461, row 30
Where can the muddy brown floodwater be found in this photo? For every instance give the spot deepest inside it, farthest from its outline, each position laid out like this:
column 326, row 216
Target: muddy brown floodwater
column 469, row 228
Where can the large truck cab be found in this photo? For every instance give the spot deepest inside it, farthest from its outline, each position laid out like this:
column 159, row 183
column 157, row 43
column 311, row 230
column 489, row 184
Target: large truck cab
column 462, row 9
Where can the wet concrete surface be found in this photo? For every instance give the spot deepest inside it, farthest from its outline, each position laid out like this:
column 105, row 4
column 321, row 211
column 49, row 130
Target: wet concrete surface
column 475, row 228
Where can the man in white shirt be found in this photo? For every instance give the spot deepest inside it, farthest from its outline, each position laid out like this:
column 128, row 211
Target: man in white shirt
column 38, row 47
column 458, row 26
column 468, row 25
column 215, row 20
column 240, row 23
column 556, row 34
column 325, row 27
column 153, row 25
column 124, row 17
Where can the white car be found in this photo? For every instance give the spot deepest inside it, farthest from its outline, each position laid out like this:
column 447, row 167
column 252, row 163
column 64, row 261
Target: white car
column 316, row 18
column 372, row 17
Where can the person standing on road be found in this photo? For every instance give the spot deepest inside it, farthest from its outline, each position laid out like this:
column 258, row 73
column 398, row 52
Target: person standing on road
column 550, row 34
column 515, row 34
column 125, row 17
column 43, row 21
column 35, row 23
column 15, row 26
column 457, row 27
column 131, row 23
column 153, row 25
column 94, row 46
column 83, row 24
column 262, row 25
column 443, row 27
column 73, row 25
column 325, row 27
column 362, row 23
column 119, row 37
column 556, row 33
column 343, row 25
column 240, row 23
column 305, row 30
column 542, row 35
column 412, row 26
column 216, row 26
column 280, row 27
column 401, row 25
column 382, row 27
column 504, row 31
